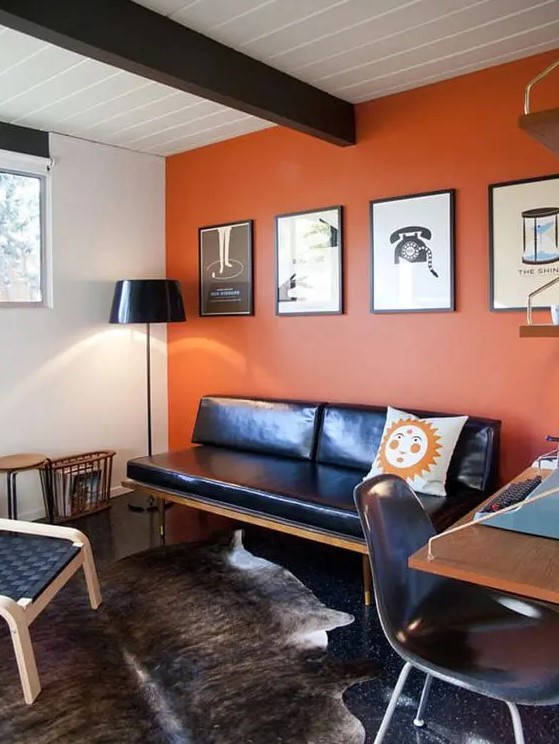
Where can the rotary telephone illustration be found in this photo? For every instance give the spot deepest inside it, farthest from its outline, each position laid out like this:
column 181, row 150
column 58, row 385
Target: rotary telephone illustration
column 410, row 246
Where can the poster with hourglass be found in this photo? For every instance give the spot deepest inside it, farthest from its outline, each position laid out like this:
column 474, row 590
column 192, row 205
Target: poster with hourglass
column 524, row 241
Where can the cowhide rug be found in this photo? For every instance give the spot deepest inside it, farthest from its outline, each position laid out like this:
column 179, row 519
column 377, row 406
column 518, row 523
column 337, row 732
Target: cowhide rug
column 192, row 645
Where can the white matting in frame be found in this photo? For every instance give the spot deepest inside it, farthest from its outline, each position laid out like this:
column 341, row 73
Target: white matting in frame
column 309, row 262
column 524, row 240
column 413, row 253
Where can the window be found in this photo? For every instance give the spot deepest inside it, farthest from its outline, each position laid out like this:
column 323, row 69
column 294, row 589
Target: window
column 23, row 231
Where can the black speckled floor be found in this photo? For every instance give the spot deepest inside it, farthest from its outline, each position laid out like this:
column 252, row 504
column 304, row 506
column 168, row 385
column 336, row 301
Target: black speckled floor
column 453, row 716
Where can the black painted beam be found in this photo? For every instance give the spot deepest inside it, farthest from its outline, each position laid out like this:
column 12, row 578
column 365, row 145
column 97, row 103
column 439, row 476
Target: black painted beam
column 22, row 139
column 133, row 38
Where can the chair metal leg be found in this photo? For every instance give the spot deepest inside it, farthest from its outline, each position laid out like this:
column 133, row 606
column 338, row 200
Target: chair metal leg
column 9, row 495
column 516, row 723
column 393, row 703
column 12, row 477
column 367, row 580
column 21, row 640
column 49, row 491
column 418, row 720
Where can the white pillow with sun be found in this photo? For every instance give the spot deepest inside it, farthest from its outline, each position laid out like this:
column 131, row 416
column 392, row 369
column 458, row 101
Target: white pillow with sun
column 418, row 450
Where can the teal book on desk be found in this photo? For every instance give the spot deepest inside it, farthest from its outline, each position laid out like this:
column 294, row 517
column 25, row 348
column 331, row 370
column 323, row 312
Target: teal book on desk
column 540, row 518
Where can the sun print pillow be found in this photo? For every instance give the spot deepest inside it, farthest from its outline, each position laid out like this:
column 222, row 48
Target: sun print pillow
column 418, row 450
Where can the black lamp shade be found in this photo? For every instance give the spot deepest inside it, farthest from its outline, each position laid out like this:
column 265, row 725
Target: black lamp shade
column 147, row 301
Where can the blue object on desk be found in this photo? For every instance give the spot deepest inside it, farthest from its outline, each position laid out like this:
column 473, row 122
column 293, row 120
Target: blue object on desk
column 541, row 518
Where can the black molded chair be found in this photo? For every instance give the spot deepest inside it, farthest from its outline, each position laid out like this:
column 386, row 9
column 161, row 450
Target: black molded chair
column 498, row 645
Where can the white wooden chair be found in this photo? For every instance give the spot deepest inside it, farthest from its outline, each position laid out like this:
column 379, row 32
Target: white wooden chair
column 36, row 560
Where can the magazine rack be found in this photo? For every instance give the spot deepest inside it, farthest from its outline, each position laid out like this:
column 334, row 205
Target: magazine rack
column 76, row 485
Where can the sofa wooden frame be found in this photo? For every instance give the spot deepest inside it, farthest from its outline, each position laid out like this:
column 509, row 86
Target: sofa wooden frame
column 20, row 614
column 250, row 517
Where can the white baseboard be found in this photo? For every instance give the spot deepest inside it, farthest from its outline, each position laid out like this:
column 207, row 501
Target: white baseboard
column 39, row 512
column 32, row 514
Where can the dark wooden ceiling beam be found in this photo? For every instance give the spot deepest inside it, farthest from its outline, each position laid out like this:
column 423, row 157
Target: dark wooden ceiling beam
column 133, row 38
column 23, row 139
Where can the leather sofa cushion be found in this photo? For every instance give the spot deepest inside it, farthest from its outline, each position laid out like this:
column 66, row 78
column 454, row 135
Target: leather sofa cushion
column 277, row 427
column 350, row 435
column 297, row 491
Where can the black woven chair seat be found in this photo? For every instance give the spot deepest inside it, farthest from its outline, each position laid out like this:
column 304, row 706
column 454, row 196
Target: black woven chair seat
column 29, row 563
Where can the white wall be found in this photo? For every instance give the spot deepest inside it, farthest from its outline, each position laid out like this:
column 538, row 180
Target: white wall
column 69, row 381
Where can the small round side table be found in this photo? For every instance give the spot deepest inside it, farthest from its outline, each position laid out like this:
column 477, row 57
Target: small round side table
column 12, row 465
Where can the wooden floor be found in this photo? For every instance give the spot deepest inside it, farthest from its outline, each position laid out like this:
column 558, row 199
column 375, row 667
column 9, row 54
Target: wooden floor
column 118, row 531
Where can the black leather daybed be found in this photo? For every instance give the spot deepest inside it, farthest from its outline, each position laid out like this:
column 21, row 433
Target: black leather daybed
column 292, row 466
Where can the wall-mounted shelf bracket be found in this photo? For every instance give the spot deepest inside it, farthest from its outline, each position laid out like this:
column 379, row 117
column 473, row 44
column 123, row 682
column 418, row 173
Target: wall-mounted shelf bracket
column 543, row 126
column 542, row 330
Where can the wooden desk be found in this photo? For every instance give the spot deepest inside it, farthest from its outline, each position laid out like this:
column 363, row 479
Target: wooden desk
column 500, row 559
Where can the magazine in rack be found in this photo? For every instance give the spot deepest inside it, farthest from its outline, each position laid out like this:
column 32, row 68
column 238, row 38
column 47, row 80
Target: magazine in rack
column 76, row 491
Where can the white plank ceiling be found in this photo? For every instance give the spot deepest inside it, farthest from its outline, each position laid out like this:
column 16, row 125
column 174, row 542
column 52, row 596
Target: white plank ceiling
column 355, row 49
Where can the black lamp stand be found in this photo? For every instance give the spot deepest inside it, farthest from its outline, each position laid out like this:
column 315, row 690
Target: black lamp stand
column 148, row 301
column 140, row 505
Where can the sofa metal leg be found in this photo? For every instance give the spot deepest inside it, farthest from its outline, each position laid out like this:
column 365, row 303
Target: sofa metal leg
column 393, row 703
column 161, row 512
column 367, row 580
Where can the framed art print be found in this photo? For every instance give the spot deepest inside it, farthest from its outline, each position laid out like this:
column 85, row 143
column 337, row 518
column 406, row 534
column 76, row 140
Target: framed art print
column 523, row 239
column 225, row 281
column 412, row 241
column 309, row 262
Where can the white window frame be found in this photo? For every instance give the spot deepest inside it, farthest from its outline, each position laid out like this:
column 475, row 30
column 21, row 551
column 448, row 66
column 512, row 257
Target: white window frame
column 35, row 167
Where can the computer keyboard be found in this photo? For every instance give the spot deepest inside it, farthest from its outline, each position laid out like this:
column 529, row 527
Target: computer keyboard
column 514, row 493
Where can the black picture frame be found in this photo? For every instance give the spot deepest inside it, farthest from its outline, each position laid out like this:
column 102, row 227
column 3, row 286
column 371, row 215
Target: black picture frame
column 511, row 276
column 286, row 304
column 411, row 244
column 225, row 269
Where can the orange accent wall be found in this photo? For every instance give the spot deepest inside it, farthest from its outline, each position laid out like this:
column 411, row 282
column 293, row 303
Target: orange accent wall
column 460, row 134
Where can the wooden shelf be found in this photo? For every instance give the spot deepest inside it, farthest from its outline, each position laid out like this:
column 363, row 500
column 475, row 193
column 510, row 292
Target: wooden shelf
column 539, row 331
column 543, row 126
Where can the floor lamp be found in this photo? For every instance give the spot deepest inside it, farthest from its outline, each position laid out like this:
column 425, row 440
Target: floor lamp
column 147, row 301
